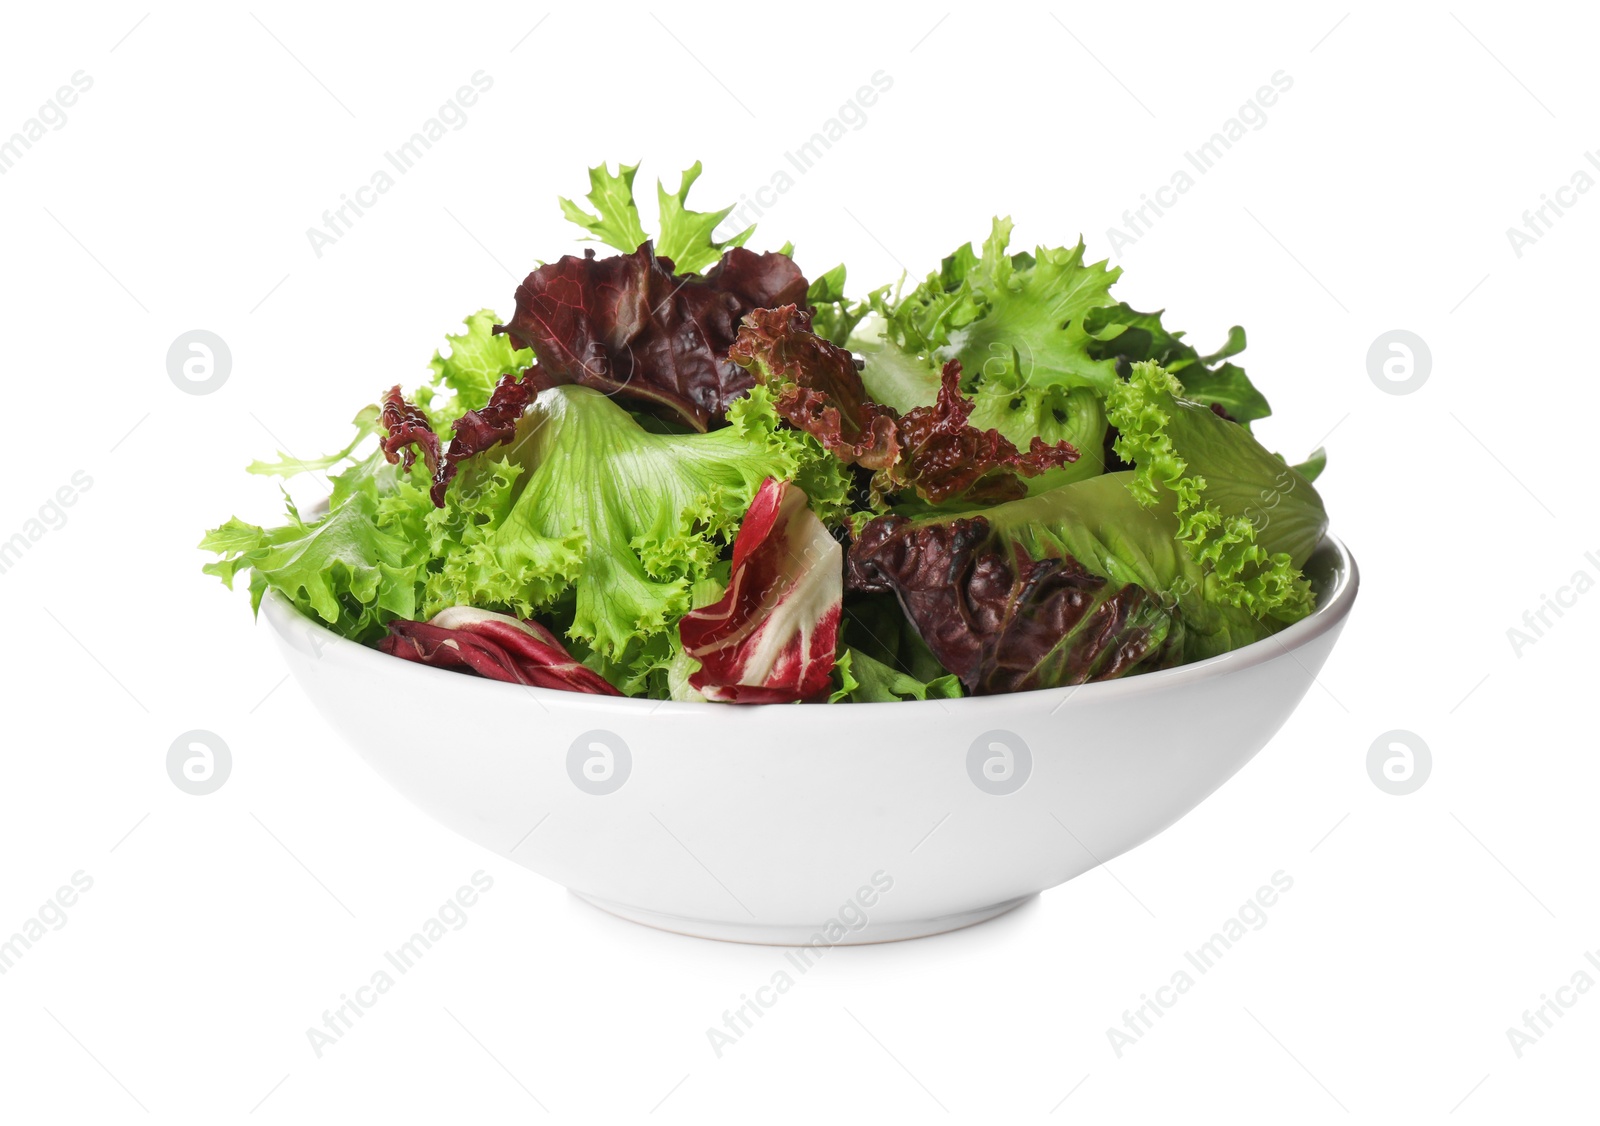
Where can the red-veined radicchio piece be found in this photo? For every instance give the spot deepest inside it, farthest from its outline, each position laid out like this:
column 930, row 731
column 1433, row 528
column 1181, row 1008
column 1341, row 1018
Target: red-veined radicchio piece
column 495, row 646
column 771, row 638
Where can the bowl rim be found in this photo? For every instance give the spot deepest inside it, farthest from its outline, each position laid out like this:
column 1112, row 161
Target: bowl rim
column 1331, row 610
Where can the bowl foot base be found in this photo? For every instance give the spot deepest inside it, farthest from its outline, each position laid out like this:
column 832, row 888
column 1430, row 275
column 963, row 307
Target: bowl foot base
column 799, row 934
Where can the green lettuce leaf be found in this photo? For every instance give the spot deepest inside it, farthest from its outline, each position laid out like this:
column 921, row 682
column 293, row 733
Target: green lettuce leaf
column 1034, row 333
column 1251, row 519
column 1311, row 468
column 613, row 529
column 287, row 465
column 1015, row 320
column 834, row 315
column 615, row 220
column 477, row 360
column 862, row 680
column 631, row 520
column 892, row 375
column 1130, row 336
column 344, row 568
column 686, row 235
column 1054, row 413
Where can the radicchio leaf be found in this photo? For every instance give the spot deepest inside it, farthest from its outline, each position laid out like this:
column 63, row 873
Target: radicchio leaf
column 406, row 430
column 495, row 646
column 486, row 427
column 932, row 450
column 1003, row 621
column 628, row 326
column 772, row 636
column 816, row 386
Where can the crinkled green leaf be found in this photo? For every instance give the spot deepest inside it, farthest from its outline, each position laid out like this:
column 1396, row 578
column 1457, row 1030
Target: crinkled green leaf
column 342, row 568
column 834, row 315
column 1248, row 517
column 1027, row 329
column 1016, row 320
column 615, row 220
column 477, row 360
column 1054, row 413
column 861, row 679
column 1130, row 336
column 633, row 550
column 686, row 236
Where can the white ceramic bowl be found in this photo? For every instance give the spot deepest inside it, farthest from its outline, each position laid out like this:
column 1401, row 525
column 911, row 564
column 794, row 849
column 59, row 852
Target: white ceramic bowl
column 807, row 823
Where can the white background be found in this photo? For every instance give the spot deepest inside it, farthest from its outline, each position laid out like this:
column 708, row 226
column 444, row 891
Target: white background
column 1376, row 196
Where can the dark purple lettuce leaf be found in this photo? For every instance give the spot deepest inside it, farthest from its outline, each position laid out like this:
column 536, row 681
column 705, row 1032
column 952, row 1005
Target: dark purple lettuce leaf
column 1002, row 620
column 628, row 326
column 758, row 281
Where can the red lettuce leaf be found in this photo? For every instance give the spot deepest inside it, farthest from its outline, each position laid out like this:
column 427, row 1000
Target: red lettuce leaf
column 931, row 450
column 772, row 636
column 494, row 646
column 628, row 326
column 816, row 387
column 1003, row 621
column 406, row 430
column 945, row 458
column 488, row 426
column 758, row 281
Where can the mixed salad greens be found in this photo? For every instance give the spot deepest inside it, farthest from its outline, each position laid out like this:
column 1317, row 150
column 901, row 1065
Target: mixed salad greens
column 687, row 471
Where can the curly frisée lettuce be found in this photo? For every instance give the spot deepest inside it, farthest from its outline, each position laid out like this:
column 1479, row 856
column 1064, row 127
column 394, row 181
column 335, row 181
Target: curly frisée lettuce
column 530, row 533
column 689, row 470
column 1251, row 519
column 1041, row 341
